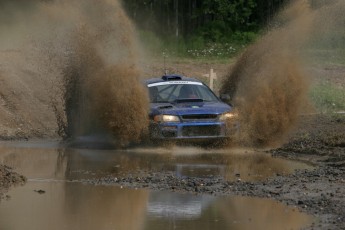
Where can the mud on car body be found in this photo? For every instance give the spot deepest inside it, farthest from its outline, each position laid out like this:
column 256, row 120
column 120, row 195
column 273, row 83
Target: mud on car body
column 186, row 109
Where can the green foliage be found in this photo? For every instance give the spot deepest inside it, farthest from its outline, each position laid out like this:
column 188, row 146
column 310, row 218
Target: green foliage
column 214, row 20
column 196, row 42
column 200, row 28
column 151, row 41
column 214, row 31
column 327, row 97
column 244, row 37
column 196, row 46
column 183, row 49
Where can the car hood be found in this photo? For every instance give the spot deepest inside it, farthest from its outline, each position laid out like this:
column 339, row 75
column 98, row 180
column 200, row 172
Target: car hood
column 189, row 108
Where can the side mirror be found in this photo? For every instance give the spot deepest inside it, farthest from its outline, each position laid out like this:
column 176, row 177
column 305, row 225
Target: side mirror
column 225, row 98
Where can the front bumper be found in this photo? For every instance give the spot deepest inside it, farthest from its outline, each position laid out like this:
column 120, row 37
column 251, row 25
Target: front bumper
column 191, row 130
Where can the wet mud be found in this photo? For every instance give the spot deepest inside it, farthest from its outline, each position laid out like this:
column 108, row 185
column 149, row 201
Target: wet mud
column 78, row 78
column 8, row 179
column 80, row 60
column 316, row 189
column 85, row 206
column 269, row 83
column 319, row 191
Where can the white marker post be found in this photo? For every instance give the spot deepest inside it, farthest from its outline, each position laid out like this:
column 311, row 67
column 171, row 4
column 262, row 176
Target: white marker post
column 212, row 76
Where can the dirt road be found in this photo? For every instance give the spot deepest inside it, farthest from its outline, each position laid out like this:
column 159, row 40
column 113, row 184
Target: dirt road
column 318, row 140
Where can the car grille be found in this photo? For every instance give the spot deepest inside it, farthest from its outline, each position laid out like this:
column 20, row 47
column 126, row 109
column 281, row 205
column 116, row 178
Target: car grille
column 199, row 117
column 206, row 130
column 168, row 134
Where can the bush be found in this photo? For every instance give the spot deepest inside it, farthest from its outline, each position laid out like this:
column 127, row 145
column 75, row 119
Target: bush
column 244, row 37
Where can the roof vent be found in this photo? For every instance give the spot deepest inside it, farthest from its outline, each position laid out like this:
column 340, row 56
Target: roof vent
column 171, row 77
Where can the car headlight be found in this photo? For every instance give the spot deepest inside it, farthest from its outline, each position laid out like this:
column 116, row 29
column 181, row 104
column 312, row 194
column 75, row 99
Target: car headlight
column 166, row 118
column 228, row 116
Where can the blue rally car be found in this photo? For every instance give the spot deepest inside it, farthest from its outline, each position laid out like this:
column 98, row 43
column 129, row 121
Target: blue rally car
column 186, row 109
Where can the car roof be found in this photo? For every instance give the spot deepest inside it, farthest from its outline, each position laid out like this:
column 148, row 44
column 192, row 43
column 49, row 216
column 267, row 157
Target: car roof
column 170, row 77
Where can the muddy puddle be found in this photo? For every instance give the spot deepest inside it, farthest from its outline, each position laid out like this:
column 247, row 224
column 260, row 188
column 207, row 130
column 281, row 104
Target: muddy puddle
column 55, row 197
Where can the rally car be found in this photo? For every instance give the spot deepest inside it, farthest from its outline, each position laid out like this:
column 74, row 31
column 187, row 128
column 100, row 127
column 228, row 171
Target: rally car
column 186, row 109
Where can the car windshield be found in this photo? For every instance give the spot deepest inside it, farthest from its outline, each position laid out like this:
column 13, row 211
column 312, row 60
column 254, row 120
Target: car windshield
column 169, row 92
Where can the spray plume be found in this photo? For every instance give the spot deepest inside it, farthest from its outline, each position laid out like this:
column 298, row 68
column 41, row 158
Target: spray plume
column 88, row 51
column 267, row 83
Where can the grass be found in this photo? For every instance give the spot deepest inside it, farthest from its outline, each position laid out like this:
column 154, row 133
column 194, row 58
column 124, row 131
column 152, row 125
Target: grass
column 194, row 48
column 329, row 57
column 328, row 97
column 208, row 52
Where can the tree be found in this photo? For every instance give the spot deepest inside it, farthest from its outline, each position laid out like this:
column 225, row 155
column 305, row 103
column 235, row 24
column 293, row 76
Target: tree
column 209, row 18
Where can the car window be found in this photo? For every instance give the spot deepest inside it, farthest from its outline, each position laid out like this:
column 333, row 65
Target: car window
column 206, row 94
column 171, row 92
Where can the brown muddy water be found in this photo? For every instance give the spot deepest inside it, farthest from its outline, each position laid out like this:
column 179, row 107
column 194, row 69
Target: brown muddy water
column 55, row 196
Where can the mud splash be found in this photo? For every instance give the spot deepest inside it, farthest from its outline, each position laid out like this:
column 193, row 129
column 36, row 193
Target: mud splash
column 269, row 83
column 88, row 51
column 102, row 93
column 109, row 95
